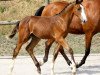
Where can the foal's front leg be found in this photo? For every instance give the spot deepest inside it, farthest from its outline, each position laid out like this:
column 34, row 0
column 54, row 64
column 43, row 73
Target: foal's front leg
column 62, row 42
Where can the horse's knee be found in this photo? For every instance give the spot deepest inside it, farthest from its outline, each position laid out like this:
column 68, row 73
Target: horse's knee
column 29, row 50
column 48, row 44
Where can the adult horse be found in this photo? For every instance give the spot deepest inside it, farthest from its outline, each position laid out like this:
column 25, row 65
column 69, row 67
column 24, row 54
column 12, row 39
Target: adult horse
column 90, row 28
column 54, row 28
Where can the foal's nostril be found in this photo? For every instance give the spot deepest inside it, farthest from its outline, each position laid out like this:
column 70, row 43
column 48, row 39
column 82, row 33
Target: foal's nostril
column 85, row 21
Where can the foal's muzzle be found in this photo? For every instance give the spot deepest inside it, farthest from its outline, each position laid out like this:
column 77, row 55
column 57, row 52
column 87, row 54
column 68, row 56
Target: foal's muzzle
column 84, row 21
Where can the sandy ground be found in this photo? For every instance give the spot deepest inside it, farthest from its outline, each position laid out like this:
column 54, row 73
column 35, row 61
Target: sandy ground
column 25, row 66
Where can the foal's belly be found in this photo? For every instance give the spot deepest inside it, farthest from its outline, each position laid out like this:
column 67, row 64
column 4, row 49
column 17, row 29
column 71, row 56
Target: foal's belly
column 43, row 33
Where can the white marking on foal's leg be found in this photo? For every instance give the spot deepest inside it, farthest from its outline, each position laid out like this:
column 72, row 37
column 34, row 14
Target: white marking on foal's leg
column 73, row 68
column 12, row 66
column 52, row 68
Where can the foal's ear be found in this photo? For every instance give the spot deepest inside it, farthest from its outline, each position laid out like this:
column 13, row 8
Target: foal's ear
column 79, row 1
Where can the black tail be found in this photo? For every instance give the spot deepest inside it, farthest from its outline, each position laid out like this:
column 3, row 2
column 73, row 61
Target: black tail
column 39, row 11
column 14, row 31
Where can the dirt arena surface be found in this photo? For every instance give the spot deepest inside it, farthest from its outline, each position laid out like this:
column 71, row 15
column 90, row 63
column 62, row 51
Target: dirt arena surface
column 25, row 66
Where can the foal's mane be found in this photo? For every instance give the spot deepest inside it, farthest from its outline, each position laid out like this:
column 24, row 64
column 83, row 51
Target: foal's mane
column 67, row 6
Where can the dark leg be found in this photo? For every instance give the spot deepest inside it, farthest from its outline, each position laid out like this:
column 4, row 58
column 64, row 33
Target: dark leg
column 64, row 55
column 88, row 39
column 29, row 49
column 61, row 50
column 48, row 45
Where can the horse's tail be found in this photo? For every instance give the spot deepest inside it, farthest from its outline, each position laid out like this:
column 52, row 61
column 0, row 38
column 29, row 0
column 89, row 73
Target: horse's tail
column 39, row 11
column 14, row 31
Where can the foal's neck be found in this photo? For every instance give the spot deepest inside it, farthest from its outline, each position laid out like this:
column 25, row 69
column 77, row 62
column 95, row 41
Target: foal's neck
column 67, row 12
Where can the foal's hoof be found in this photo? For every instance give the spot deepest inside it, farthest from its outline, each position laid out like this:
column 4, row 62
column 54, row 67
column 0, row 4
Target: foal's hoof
column 39, row 71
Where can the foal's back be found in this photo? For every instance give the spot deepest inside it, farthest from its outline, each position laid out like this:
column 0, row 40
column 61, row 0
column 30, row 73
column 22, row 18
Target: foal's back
column 43, row 27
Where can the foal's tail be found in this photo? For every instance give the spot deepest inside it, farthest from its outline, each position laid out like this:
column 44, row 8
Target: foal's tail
column 14, row 31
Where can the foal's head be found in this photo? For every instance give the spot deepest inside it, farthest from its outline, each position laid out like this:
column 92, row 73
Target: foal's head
column 79, row 11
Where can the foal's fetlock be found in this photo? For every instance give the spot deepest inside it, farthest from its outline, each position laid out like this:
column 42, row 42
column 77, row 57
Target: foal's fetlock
column 39, row 69
column 69, row 62
column 73, row 69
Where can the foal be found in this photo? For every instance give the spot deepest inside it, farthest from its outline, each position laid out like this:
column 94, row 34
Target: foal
column 54, row 28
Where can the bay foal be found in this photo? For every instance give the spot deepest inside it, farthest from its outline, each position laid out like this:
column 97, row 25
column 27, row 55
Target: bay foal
column 54, row 28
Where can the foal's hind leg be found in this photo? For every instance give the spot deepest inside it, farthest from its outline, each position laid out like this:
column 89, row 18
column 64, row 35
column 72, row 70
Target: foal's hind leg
column 55, row 54
column 29, row 49
column 21, row 40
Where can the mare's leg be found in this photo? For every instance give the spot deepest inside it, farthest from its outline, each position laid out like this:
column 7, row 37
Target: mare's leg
column 29, row 49
column 88, row 38
column 48, row 44
column 62, row 42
